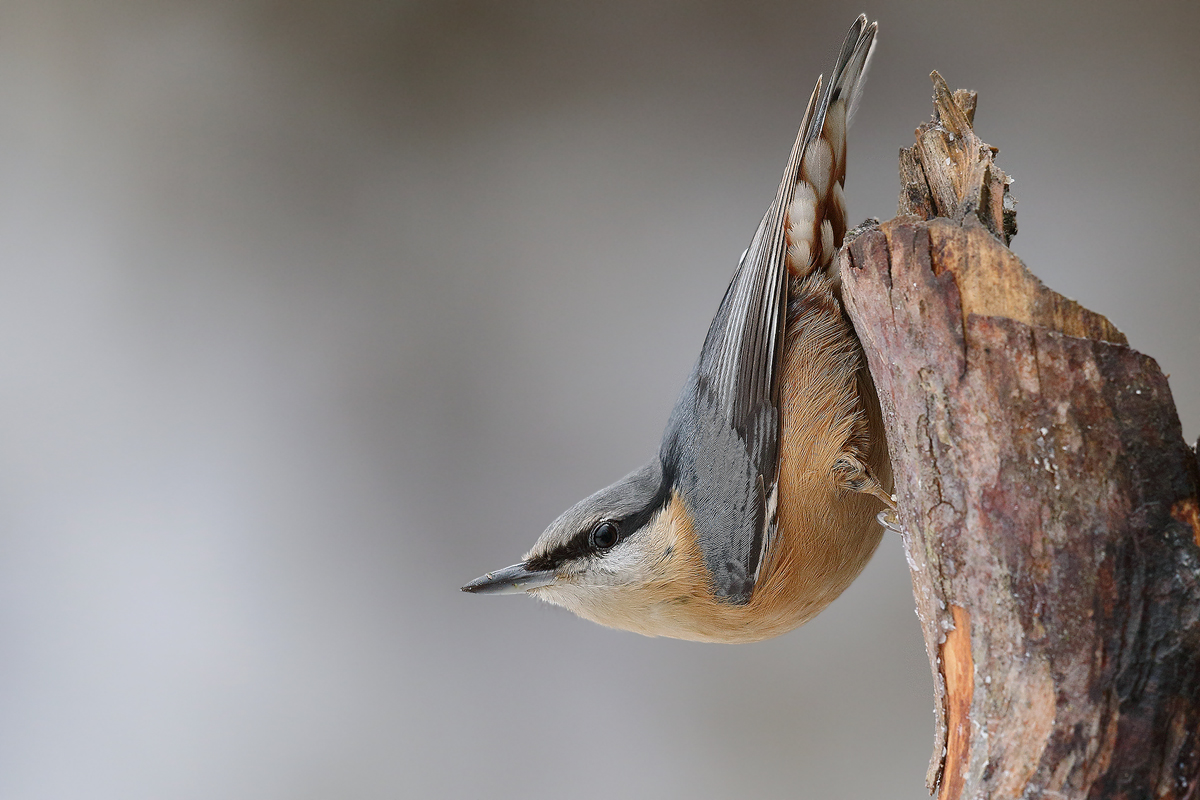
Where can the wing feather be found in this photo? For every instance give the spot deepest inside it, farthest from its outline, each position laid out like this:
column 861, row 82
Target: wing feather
column 727, row 420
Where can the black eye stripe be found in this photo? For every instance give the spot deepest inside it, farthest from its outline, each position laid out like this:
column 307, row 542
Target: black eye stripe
column 577, row 546
column 581, row 544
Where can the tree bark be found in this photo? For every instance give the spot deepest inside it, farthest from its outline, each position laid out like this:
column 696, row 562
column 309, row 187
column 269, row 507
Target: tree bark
column 1049, row 501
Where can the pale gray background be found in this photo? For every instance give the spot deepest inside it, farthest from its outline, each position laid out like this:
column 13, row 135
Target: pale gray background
column 311, row 312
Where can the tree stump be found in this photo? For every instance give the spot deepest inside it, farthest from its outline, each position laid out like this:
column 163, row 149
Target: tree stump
column 1049, row 501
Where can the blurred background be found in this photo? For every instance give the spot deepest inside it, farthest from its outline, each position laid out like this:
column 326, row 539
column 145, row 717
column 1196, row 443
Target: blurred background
column 312, row 311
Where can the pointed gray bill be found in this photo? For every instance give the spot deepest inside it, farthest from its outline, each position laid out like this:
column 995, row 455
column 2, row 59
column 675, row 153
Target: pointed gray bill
column 510, row 580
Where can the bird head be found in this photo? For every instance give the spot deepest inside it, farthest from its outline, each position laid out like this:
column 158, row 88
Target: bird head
column 623, row 557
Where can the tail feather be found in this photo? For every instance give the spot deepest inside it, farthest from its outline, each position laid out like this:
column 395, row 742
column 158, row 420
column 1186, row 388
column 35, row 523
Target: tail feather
column 816, row 216
column 849, row 85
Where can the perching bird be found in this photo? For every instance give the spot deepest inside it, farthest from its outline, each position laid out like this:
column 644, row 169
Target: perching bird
column 761, row 506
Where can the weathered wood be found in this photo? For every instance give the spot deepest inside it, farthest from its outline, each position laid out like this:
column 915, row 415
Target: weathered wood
column 1049, row 500
column 951, row 173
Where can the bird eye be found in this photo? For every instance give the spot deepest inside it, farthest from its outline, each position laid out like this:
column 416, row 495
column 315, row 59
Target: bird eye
column 605, row 535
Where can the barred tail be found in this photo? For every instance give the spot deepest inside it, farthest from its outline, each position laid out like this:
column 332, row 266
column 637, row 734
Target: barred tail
column 816, row 215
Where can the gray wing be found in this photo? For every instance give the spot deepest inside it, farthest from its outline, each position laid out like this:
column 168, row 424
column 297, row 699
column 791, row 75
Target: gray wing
column 724, row 432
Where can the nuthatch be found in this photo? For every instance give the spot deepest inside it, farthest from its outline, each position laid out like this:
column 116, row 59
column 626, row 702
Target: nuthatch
column 761, row 506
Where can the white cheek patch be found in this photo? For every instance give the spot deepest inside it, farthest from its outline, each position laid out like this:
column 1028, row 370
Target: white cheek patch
column 633, row 561
column 625, row 563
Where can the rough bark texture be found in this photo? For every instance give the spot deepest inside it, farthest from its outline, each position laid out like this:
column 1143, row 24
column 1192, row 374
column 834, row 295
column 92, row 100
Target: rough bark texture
column 1049, row 500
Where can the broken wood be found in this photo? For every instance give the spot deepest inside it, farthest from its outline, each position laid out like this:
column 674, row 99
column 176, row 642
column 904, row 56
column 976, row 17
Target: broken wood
column 1050, row 507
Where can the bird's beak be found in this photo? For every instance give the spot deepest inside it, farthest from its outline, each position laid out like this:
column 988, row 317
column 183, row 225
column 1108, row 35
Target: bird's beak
column 510, row 580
